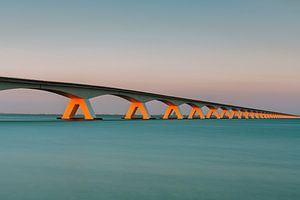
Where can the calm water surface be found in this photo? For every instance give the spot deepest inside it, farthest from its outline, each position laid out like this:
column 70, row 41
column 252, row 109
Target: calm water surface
column 43, row 158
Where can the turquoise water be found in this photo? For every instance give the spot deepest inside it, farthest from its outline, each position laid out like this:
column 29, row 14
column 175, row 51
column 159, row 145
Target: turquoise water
column 44, row 158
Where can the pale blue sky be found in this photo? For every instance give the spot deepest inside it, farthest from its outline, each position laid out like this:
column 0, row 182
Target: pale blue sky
column 237, row 52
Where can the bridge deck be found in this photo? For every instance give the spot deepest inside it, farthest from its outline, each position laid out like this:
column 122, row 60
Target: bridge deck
column 89, row 91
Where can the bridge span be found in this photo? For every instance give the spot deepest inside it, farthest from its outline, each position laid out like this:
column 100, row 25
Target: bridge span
column 79, row 95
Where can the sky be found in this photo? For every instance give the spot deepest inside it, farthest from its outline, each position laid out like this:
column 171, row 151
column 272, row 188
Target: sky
column 236, row 52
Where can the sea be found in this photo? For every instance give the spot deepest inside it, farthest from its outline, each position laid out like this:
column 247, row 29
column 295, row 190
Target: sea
column 44, row 158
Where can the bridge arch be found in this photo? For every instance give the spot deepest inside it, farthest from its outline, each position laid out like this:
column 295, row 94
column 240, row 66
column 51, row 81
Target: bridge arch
column 136, row 107
column 172, row 108
column 110, row 104
column 37, row 101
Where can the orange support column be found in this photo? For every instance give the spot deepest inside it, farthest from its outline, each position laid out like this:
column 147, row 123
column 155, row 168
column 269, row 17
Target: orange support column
column 73, row 106
column 134, row 107
column 212, row 110
column 172, row 108
column 252, row 115
column 245, row 114
column 225, row 112
column 271, row 116
column 196, row 109
column 257, row 115
column 236, row 113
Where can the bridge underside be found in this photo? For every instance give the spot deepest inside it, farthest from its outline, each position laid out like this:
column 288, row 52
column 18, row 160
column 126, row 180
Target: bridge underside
column 79, row 96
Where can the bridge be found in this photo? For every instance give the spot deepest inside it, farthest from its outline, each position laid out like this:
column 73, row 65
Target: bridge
column 79, row 95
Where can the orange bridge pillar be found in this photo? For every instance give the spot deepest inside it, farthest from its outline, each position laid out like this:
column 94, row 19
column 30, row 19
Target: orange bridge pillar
column 257, row 115
column 251, row 114
column 245, row 113
column 225, row 112
column 236, row 113
column 134, row 107
column 196, row 109
column 76, row 103
column 172, row 108
column 212, row 110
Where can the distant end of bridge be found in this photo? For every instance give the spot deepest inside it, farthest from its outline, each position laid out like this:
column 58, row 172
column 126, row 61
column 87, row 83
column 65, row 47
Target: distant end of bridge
column 79, row 95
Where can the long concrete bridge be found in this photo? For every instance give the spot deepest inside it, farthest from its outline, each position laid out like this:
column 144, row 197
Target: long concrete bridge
column 79, row 95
